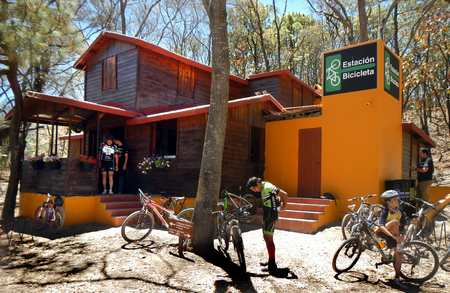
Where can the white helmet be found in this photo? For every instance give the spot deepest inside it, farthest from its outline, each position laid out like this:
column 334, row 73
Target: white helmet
column 388, row 194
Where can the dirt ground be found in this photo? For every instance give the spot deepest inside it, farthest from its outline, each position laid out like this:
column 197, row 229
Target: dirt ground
column 101, row 261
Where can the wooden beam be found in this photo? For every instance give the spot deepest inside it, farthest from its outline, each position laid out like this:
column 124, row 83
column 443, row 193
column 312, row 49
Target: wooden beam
column 37, row 140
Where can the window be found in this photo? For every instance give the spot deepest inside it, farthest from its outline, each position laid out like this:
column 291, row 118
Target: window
column 186, row 80
column 109, row 73
column 165, row 138
column 257, row 144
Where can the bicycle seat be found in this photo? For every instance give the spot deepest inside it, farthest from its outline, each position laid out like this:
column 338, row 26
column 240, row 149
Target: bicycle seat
column 177, row 198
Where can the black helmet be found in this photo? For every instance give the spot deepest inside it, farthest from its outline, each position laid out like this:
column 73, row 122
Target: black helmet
column 388, row 194
column 253, row 181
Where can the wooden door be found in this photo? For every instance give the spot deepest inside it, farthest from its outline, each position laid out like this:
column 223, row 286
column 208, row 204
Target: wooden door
column 309, row 162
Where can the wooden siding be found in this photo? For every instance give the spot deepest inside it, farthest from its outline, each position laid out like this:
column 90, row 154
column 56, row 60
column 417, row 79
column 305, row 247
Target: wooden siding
column 159, row 83
column 406, row 159
column 125, row 93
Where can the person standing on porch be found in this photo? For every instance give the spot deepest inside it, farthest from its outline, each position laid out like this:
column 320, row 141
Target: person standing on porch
column 107, row 159
column 122, row 164
column 271, row 197
column 425, row 171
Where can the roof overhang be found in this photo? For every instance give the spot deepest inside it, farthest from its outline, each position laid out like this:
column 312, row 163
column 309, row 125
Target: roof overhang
column 416, row 131
column 49, row 109
column 106, row 36
column 203, row 109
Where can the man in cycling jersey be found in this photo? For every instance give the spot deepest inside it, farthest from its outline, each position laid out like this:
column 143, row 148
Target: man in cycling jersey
column 270, row 196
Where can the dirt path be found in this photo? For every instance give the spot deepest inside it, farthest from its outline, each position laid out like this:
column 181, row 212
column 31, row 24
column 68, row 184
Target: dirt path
column 102, row 262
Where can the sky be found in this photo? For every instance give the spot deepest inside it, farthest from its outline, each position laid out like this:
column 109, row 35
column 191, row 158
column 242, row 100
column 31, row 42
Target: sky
column 292, row 5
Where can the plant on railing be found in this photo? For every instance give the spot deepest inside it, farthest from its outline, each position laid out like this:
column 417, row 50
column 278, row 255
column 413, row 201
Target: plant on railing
column 37, row 162
column 53, row 162
column 87, row 163
column 153, row 162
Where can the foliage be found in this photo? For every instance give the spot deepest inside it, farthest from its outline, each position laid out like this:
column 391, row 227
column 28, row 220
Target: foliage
column 147, row 164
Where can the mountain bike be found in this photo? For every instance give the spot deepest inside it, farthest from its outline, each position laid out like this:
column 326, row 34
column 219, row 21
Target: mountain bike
column 445, row 261
column 138, row 225
column 370, row 211
column 419, row 261
column 423, row 225
column 46, row 215
column 228, row 224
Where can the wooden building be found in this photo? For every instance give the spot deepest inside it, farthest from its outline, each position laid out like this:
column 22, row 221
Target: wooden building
column 157, row 102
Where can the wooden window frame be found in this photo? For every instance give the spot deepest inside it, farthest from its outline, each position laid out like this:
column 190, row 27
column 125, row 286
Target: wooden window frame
column 112, row 84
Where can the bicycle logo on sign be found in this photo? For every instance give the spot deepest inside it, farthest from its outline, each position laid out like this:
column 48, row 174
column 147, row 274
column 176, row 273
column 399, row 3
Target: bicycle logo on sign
column 332, row 72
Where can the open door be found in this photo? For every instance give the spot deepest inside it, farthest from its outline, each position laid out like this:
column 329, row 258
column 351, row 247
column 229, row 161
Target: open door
column 309, row 162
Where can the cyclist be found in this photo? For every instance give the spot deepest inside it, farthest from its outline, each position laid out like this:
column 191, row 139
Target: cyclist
column 108, row 158
column 270, row 196
column 392, row 223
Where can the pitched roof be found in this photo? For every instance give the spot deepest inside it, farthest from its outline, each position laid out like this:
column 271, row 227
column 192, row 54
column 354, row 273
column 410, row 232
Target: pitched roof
column 106, row 36
column 295, row 112
column 203, row 109
column 283, row 72
column 413, row 129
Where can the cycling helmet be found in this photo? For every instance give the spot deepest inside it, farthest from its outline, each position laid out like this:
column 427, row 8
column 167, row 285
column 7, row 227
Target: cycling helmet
column 388, row 194
column 252, row 182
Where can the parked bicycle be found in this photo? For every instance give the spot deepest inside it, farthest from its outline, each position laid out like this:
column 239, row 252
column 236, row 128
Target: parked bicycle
column 369, row 211
column 139, row 224
column 424, row 225
column 48, row 214
column 419, row 261
column 445, row 261
column 231, row 212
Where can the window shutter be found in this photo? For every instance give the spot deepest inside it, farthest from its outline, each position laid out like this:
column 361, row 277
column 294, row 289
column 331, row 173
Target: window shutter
column 110, row 73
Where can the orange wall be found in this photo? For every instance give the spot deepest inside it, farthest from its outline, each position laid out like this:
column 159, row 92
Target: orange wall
column 361, row 143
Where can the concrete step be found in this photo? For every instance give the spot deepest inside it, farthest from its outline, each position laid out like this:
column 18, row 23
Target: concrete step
column 119, row 197
column 309, row 200
column 123, row 205
column 296, row 214
column 117, row 221
column 306, row 207
column 122, row 212
column 297, row 225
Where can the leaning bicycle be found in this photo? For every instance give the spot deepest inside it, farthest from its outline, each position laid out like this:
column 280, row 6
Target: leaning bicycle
column 48, row 214
column 138, row 225
column 419, row 261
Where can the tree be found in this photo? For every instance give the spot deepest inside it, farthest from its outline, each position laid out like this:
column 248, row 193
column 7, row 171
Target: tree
column 34, row 35
column 211, row 166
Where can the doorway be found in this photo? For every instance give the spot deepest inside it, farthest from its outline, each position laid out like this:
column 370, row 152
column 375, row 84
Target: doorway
column 309, row 162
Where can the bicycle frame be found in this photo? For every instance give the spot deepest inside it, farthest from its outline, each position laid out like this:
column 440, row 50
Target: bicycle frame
column 148, row 204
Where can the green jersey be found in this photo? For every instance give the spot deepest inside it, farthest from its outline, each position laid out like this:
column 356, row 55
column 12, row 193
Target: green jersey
column 268, row 194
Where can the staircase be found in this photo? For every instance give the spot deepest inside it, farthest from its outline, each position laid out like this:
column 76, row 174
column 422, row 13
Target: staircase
column 117, row 207
column 306, row 215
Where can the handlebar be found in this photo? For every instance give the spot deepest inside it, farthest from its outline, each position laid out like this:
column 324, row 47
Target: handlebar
column 362, row 198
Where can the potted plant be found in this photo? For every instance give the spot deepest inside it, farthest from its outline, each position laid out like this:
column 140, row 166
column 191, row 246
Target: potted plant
column 153, row 162
column 37, row 162
column 53, row 162
column 87, row 163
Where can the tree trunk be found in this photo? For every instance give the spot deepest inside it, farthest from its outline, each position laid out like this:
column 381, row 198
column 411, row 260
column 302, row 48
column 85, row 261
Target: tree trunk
column 211, row 166
column 396, row 46
column 123, row 19
column 16, row 144
column 363, row 26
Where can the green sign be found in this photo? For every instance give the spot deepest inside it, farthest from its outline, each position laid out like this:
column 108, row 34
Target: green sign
column 351, row 69
column 391, row 74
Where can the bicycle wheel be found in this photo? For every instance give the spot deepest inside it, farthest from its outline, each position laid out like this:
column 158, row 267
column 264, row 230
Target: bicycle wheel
column 238, row 246
column 223, row 235
column 420, row 261
column 137, row 226
column 186, row 214
column 58, row 221
column 346, row 226
column 445, row 262
column 40, row 217
column 347, row 255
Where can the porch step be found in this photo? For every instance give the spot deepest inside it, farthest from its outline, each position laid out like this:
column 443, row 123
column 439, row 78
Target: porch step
column 118, row 207
column 306, row 215
column 119, row 197
column 122, row 212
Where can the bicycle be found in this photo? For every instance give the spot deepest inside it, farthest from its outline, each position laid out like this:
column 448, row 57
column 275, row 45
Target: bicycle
column 46, row 215
column 369, row 211
column 138, row 225
column 445, row 261
column 227, row 225
column 423, row 225
column 419, row 261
